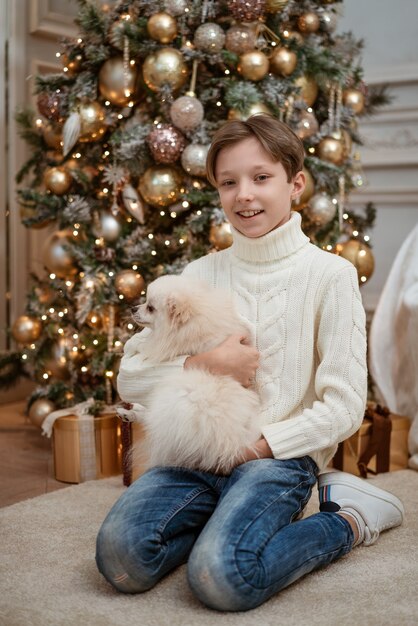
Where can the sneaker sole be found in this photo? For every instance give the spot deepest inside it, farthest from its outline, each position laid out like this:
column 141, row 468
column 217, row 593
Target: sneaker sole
column 357, row 483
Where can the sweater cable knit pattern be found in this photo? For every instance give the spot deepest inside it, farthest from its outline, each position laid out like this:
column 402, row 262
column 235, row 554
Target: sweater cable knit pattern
column 305, row 315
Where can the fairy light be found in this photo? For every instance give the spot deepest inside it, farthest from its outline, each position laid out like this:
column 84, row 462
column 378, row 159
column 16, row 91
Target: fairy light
column 75, row 336
column 45, row 376
column 109, row 374
column 150, row 236
column 52, row 276
column 52, row 310
column 107, row 103
column 181, row 241
column 355, row 233
column 121, row 297
column 74, row 349
column 120, row 116
column 334, row 201
column 185, row 204
column 75, row 233
column 105, row 190
column 97, row 242
column 60, row 331
column 219, row 104
column 65, row 311
column 61, row 314
column 173, row 214
column 130, row 326
column 153, row 253
column 227, row 72
column 345, row 216
column 58, row 54
column 162, row 213
column 130, row 104
column 329, row 247
column 167, row 243
column 199, row 212
column 39, row 123
column 311, row 149
column 111, row 274
column 44, row 318
column 24, row 357
column 118, row 344
column 84, row 369
column 362, row 253
column 32, row 346
column 132, row 62
column 79, row 40
column 90, row 284
column 95, row 342
column 366, row 238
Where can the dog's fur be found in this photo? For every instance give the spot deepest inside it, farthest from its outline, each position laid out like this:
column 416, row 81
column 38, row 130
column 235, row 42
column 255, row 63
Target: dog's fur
column 194, row 419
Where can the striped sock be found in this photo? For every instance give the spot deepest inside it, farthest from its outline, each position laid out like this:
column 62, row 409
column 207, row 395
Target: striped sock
column 326, row 505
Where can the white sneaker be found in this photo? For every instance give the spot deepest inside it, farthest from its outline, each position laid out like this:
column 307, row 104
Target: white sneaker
column 378, row 509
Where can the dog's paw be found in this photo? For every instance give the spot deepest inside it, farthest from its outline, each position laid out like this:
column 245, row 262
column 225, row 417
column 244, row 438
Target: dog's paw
column 130, row 412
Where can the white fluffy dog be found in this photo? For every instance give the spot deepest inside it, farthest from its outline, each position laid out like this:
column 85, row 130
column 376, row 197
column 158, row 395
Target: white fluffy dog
column 194, row 418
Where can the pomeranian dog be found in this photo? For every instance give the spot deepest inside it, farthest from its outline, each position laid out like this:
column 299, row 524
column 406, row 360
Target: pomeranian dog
column 194, row 418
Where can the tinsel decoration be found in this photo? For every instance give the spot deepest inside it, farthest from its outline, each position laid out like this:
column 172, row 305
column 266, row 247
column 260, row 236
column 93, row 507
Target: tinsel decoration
column 71, row 132
column 341, row 200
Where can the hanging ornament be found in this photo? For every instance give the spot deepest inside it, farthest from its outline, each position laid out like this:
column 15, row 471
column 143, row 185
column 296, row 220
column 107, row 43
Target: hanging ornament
column 308, row 89
column 162, row 27
column 160, row 185
column 329, row 20
column 253, row 65
column 220, row 235
column 193, row 159
column 331, row 149
column 307, row 125
column 106, row 225
column 117, row 33
column 39, row 410
column 283, row 61
column 165, row 66
column 209, row 37
column 56, row 255
column 186, row 113
column 240, row 38
column 307, row 193
column 360, row 255
column 49, row 105
column 275, row 6
column 176, row 7
column 293, row 36
column 71, row 65
column 133, row 203
column 57, row 180
column 129, row 284
column 26, row 329
column 246, row 10
column 57, row 362
column 354, row 99
column 308, row 22
column 94, row 320
column 92, row 117
column 166, row 143
column 52, row 136
column 114, row 175
column 321, row 208
column 71, row 132
column 347, row 142
column 254, row 109
column 117, row 83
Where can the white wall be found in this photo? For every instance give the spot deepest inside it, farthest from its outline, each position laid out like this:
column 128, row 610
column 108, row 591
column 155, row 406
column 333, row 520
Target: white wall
column 390, row 155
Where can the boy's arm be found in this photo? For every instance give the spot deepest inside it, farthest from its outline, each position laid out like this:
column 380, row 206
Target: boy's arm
column 340, row 380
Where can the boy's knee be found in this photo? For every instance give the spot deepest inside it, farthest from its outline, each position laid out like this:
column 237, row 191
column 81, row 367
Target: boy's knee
column 115, row 561
column 216, row 583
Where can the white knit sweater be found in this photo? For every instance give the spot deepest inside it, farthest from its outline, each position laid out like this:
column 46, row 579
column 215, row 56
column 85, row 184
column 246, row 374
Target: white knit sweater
column 304, row 307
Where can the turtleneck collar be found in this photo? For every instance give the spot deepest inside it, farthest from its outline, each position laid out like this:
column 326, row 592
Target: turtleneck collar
column 275, row 245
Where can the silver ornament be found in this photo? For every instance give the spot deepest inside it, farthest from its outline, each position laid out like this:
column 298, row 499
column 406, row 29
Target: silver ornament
column 193, row 159
column 186, row 113
column 107, row 226
column 209, row 37
column 240, row 38
column 321, row 208
column 329, row 20
column 175, row 7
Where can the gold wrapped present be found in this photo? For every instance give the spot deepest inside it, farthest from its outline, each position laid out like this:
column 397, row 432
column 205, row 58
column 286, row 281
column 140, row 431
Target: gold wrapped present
column 380, row 445
column 133, row 464
column 86, row 447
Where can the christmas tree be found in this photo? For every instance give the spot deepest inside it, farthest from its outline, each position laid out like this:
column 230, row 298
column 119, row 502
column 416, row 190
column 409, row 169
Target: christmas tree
column 117, row 164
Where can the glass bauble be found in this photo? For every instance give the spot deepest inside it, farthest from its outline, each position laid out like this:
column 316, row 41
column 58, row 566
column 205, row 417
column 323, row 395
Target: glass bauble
column 160, row 185
column 253, row 65
column 107, row 226
column 220, row 235
column 360, row 255
column 331, row 149
column 193, row 159
column 129, row 284
column 307, row 125
column 166, row 143
column 283, row 61
column 240, row 38
column 176, row 7
column 26, row 329
column 116, row 83
column 308, row 89
column 56, row 255
column 92, row 118
column 308, row 22
column 162, row 27
column 39, row 411
column 354, row 99
column 57, row 361
column 165, row 66
column 209, row 37
column 321, row 209
column 57, row 180
column 186, row 113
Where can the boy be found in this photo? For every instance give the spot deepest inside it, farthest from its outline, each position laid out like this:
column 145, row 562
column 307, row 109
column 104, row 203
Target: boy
column 240, row 533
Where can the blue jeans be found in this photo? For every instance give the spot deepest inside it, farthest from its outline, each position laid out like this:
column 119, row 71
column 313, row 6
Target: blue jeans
column 238, row 533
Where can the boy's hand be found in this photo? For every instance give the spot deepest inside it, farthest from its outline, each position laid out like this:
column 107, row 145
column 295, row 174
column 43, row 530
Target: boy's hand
column 260, row 450
column 233, row 357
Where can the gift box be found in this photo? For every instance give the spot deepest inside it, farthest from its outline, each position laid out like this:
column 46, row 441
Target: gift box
column 86, row 447
column 380, row 445
column 132, row 465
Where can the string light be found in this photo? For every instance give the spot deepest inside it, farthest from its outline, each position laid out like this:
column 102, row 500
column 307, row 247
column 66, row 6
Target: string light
column 95, row 342
column 150, row 236
column 84, row 369
column 45, row 376
column 52, row 276
column 185, row 204
column 355, row 233
column 60, row 331
column 24, row 357
column 75, row 336
column 366, row 238
column 130, row 326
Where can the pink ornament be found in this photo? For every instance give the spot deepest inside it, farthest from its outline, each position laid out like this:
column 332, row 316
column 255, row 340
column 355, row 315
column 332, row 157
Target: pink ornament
column 166, row 143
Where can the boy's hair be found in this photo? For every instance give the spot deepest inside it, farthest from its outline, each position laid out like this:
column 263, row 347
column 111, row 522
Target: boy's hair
column 276, row 137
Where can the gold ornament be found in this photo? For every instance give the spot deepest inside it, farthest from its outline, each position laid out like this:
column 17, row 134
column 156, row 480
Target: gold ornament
column 360, row 255
column 308, row 89
column 106, row 225
column 274, row 6
column 331, row 149
column 307, row 193
column 56, row 255
column 293, row 34
column 117, row 83
column 94, row 320
column 307, row 125
column 253, row 65
column 160, row 185
column 165, row 66
column 220, row 235
column 58, row 180
column 308, row 22
column 162, row 27
column 129, row 284
column 28, row 213
column 39, row 410
column 321, row 208
column 52, row 136
column 26, row 329
column 92, row 118
column 283, row 61
column 73, row 65
column 193, row 159
column 56, row 363
column 354, row 99
column 255, row 109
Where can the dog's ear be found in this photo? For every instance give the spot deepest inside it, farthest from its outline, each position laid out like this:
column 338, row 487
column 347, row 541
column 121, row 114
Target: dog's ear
column 179, row 310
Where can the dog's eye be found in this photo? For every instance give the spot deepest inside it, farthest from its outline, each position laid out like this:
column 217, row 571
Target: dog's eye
column 150, row 308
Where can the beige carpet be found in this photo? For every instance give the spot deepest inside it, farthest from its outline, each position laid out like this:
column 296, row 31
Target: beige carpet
column 48, row 575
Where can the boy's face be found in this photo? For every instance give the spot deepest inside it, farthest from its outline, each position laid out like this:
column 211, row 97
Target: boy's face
column 253, row 188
